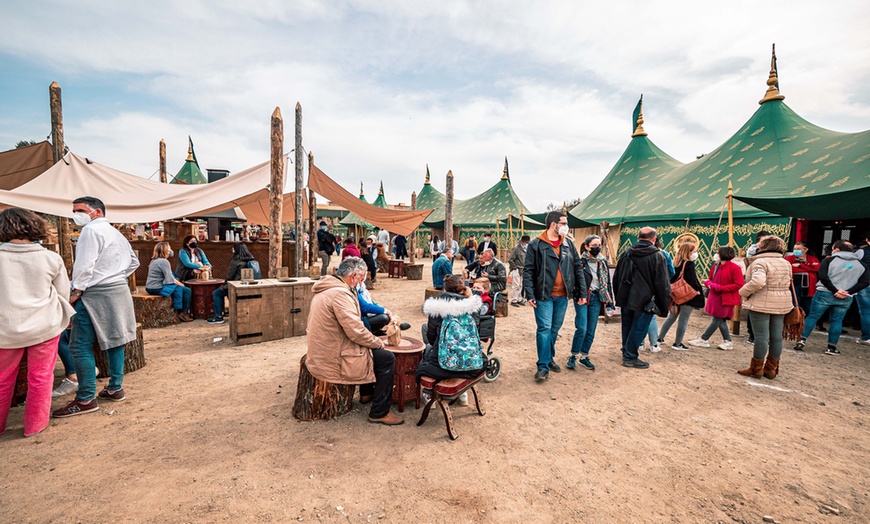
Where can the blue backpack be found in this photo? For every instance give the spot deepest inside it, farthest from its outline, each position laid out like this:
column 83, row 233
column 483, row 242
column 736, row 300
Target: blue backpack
column 253, row 264
column 459, row 347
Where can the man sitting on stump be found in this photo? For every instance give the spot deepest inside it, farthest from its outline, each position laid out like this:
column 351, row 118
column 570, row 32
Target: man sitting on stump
column 340, row 348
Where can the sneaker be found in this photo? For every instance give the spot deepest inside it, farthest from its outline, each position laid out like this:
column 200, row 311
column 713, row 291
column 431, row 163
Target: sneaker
column 660, row 342
column 426, row 397
column 699, row 342
column 832, row 350
column 655, row 348
column 76, row 407
column 515, row 304
column 679, row 347
column 800, row 345
column 216, row 320
column 635, row 363
column 862, row 341
column 555, row 367
column 586, row 363
column 114, row 396
column 66, row 387
column 727, row 345
column 542, row 375
column 572, row 362
column 640, row 349
column 463, row 399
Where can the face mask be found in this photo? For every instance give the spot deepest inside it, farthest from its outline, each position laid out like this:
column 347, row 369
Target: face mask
column 693, row 257
column 563, row 231
column 594, row 251
column 81, row 218
column 486, row 239
column 171, row 253
column 192, row 245
column 524, row 246
column 323, row 228
column 716, row 258
column 798, row 252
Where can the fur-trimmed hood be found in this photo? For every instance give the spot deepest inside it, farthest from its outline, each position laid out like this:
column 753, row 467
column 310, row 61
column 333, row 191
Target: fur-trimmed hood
column 451, row 305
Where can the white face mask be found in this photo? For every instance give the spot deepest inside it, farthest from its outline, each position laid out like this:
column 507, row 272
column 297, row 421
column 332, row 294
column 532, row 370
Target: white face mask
column 563, row 231
column 81, row 218
column 693, row 257
column 171, row 253
column 716, row 258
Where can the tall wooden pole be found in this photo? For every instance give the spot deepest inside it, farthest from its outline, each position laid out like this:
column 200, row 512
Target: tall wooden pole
column 57, row 146
column 312, row 217
column 299, row 245
column 276, row 193
column 412, row 239
column 448, row 212
column 163, row 161
column 731, row 215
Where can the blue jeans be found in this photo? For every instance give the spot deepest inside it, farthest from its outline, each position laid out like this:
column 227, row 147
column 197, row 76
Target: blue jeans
column 822, row 301
column 652, row 332
column 69, row 364
column 549, row 315
column 218, row 295
column 585, row 322
column 863, row 299
column 635, row 325
column 181, row 296
column 82, row 339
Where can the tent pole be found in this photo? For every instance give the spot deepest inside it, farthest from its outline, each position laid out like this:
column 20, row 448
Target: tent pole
column 276, row 191
column 300, row 261
column 412, row 238
column 64, row 244
column 731, row 215
column 510, row 230
column 312, row 219
column 448, row 213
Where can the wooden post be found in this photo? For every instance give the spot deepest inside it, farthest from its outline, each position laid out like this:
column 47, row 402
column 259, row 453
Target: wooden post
column 163, row 161
column 312, row 217
column 299, row 245
column 57, row 147
column 412, row 238
column 448, row 212
column 276, row 194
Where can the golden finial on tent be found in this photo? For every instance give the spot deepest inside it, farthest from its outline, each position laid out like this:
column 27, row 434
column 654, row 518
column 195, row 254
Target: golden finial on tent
column 381, row 190
column 505, row 175
column 427, row 175
column 565, row 207
column 190, row 153
column 638, row 130
column 772, row 92
column 361, row 194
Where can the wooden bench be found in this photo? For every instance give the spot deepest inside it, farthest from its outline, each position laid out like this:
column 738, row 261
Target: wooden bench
column 153, row 311
column 446, row 393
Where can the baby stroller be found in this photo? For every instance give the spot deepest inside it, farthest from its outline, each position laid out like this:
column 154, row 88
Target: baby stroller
column 486, row 331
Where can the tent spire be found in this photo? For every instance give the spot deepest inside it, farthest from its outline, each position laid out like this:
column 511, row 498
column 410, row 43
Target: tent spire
column 505, row 175
column 638, row 119
column 772, row 92
column 189, row 153
column 361, row 194
column 381, row 190
column 426, row 183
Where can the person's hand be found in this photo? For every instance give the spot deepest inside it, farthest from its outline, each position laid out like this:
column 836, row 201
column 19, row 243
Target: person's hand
column 707, row 283
column 841, row 293
column 484, row 274
column 74, row 298
column 581, row 301
column 795, row 264
column 533, row 302
column 468, row 292
column 389, row 314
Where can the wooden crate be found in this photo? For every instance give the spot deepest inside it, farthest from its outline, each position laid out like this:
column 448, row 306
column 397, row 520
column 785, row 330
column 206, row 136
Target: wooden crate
column 296, row 304
column 269, row 310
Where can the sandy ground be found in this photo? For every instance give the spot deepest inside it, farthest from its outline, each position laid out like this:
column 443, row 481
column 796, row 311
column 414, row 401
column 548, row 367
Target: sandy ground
column 206, row 435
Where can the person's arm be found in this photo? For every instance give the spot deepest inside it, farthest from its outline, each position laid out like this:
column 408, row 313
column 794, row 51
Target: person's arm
column 863, row 282
column 369, row 308
column 134, row 262
column 60, row 282
column 165, row 269
column 581, row 290
column 691, row 276
column 757, row 280
column 823, row 275
column 811, row 265
column 184, row 258
column 530, row 269
column 87, row 250
column 498, row 276
column 345, row 312
column 203, row 257
column 662, row 285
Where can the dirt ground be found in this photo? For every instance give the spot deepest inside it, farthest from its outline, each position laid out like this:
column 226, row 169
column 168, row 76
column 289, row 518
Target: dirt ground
column 206, row 435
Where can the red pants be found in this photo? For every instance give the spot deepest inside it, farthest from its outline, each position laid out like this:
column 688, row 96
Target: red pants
column 40, row 379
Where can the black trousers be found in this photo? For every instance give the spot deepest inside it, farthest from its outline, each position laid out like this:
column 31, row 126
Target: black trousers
column 377, row 322
column 382, row 389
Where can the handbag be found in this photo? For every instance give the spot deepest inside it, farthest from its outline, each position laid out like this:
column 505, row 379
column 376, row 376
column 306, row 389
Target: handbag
column 793, row 324
column 394, row 332
column 681, row 291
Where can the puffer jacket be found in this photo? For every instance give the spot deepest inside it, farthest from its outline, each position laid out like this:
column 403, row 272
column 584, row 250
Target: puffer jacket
column 447, row 305
column 767, row 285
column 541, row 265
column 338, row 341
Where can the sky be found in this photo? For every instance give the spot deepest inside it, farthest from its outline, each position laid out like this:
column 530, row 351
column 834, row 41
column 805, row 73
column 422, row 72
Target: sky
column 389, row 87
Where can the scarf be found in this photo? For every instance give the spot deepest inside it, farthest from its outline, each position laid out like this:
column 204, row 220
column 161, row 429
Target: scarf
column 603, row 277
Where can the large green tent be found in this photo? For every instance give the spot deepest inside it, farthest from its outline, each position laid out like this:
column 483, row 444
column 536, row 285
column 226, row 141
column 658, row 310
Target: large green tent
column 431, row 198
column 189, row 174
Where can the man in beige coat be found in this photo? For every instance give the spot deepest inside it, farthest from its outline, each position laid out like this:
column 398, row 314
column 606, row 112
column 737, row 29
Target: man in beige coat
column 340, row 348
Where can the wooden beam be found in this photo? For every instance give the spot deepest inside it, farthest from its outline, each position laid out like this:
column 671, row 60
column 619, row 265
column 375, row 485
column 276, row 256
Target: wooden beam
column 57, row 149
column 163, row 178
column 300, row 262
column 276, row 193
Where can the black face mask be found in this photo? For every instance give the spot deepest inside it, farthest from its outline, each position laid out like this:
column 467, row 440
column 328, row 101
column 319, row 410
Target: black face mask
column 594, row 251
column 192, row 245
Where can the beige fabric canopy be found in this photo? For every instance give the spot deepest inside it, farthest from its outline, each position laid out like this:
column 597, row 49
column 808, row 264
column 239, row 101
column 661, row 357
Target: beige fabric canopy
column 255, row 207
column 19, row 166
column 394, row 221
column 130, row 198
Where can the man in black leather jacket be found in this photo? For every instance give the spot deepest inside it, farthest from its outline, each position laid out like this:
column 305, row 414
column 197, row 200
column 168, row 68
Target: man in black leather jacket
column 641, row 280
column 552, row 275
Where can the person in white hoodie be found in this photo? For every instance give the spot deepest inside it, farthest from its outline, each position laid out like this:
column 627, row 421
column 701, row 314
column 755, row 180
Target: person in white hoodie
column 841, row 277
column 34, row 310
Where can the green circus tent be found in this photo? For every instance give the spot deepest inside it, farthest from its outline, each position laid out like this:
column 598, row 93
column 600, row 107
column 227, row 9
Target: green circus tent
column 189, row 174
column 431, row 198
column 354, row 221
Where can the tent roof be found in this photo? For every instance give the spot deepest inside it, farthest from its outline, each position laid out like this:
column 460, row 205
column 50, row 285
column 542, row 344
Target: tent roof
column 189, row 174
column 19, row 166
column 351, row 219
column 487, row 208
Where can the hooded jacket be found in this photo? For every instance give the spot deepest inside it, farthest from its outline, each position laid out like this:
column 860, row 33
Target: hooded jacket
column 541, row 265
column 339, row 345
column 447, row 305
column 767, row 288
column 843, row 270
column 642, row 275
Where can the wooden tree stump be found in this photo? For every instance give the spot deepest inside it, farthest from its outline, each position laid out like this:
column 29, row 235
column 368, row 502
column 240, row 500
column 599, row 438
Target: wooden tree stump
column 414, row 271
column 383, row 265
column 319, row 400
column 501, row 309
column 153, row 311
column 134, row 355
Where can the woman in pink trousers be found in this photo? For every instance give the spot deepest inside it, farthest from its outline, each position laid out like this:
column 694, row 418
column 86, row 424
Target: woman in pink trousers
column 34, row 310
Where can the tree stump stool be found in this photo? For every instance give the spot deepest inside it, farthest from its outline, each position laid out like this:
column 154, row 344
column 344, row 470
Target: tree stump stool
column 134, row 355
column 383, row 265
column 414, row 271
column 154, row 311
column 319, row 400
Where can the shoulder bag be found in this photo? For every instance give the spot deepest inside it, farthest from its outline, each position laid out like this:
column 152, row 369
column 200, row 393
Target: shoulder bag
column 681, row 291
column 793, row 324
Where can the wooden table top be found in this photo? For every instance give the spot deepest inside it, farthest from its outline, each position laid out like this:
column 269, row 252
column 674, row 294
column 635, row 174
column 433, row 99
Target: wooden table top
column 199, row 282
column 408, row 345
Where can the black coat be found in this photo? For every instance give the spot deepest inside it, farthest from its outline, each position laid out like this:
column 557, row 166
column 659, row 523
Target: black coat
column 641, row 274
column 691, row 277
column 490, row 246
column 429, row 364
column 542, row 264
column 496, row 273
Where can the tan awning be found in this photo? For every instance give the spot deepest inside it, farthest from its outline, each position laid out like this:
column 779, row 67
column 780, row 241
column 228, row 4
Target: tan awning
column 19, row 166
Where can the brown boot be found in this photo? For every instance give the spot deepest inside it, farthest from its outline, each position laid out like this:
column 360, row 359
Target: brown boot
column 771, row 367
column 754, row 369
column 390, row 419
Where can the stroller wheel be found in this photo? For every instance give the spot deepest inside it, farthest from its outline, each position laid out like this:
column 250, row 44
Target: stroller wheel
column 493, row 368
